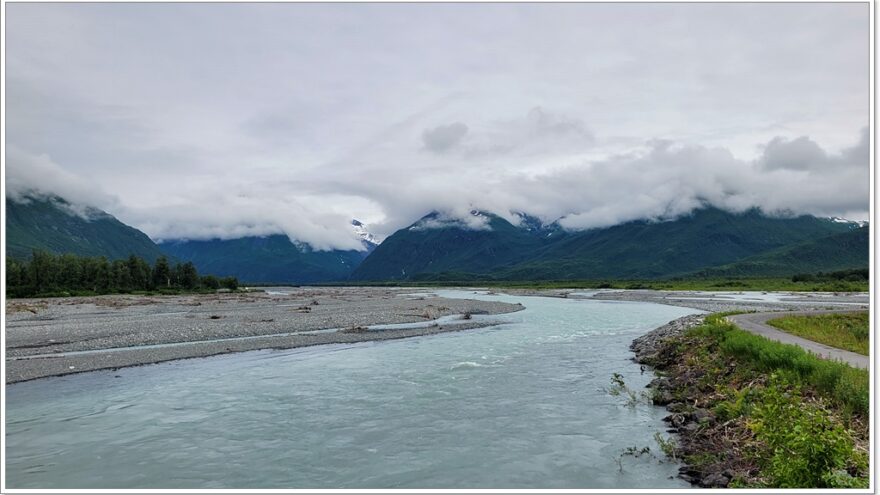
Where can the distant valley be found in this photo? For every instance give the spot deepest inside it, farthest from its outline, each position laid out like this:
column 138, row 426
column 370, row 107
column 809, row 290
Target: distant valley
column 269, row 259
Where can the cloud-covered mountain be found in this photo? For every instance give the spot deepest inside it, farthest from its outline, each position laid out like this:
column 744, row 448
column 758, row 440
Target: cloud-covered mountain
column 439, row 243
column 552, row 109
column 50, row 223
column 480, row 245
column 272, row 259
column 490, row 247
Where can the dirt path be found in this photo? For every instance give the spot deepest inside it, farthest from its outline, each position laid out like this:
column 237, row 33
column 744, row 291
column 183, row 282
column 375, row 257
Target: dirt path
column 757, row 324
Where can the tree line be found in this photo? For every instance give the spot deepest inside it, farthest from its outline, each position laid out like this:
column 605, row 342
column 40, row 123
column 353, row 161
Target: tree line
column 854, row 275
column 47, row 274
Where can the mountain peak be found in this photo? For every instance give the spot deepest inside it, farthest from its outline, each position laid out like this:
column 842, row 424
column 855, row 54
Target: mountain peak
column 369, row 240
column 474, row 220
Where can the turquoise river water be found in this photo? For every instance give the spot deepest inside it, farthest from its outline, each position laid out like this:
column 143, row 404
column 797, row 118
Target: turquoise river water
column 518, row 405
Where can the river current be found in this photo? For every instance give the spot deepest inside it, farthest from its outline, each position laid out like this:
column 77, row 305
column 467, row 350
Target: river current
column 519, row 405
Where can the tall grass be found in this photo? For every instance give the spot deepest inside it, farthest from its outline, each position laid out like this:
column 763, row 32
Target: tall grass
column 844, row 331
column 846, row 386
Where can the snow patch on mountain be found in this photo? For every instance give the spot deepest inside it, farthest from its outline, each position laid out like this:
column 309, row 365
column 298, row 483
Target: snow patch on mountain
column 854, row 223
column 367, row 238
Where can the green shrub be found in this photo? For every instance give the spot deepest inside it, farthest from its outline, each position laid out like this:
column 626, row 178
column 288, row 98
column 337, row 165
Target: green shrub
column 230, row 283
column 738, row 403
column 796, row 416
column 210, row 282
column 804, row 447
column 852, row 391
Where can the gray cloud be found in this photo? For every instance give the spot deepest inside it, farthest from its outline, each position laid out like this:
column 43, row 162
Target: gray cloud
column 154, row 113
column 805, row 154
column 545, row 123
column 442, row 138
column 859, row 154
column 797, row 154
column 38, row 175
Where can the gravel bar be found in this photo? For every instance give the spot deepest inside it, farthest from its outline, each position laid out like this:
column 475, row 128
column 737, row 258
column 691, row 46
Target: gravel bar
column 742, row 301
column 50, row 337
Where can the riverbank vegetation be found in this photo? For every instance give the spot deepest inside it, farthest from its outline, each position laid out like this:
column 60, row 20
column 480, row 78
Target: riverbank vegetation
column 751, row 412
column 844, row 331
column 843, row 281
column 49, row 275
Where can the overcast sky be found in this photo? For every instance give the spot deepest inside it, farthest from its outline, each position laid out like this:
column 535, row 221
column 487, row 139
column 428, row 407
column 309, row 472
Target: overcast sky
column 223, row 120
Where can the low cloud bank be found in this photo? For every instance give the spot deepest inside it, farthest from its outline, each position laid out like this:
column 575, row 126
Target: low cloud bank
column 658, row 180
column 549, row 109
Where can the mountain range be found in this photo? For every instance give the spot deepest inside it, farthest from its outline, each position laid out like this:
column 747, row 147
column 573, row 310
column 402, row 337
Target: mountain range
column 708, row 242
column 272, row 259
column 643, row 249
column 832, row 253
column 50, row 223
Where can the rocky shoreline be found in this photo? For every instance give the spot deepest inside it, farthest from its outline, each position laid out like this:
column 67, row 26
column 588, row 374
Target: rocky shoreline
column 686, row 418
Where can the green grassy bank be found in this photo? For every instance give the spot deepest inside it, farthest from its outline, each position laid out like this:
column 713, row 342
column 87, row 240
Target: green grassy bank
column 771, row 414
column 844, row 331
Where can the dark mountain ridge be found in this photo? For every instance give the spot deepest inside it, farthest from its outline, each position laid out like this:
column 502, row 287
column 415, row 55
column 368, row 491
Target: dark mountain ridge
column 271, row 259
column 707, row 242
column 50, row 223
column 846, row 250
column 435, row 244
column 648, row 249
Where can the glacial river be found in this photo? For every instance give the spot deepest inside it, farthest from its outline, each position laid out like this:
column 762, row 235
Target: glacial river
column 518, row 405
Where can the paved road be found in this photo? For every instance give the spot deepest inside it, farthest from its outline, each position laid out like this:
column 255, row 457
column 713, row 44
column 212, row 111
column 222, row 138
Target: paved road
column 757, row 323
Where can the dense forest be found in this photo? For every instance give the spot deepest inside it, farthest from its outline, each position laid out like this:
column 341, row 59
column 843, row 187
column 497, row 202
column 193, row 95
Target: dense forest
column 46, row 274
column 854, row 275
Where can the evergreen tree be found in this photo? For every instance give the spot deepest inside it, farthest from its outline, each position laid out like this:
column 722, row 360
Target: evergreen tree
column 210, row 282
column 70, row 271
column 161, row 273
column 14, row 273
column 120, row 276
column 139, row 272
column 230, row 283
column 189, row 276
column 47, row 274
column 102, row 275
column 42, row 271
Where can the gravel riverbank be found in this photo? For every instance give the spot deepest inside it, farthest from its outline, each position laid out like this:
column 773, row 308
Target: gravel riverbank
column 48, row 337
